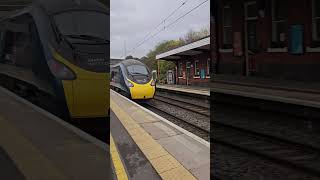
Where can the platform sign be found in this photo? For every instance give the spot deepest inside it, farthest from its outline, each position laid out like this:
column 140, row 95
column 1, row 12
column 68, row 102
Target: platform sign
column 296, row 39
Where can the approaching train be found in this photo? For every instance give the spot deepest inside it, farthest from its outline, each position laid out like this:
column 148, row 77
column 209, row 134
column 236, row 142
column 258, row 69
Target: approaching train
column 59, row 49
column 133, row 79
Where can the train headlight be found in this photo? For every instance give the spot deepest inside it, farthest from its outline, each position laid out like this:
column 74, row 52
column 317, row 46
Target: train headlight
column 128, row 83
column 61, row 71
column 153, row 83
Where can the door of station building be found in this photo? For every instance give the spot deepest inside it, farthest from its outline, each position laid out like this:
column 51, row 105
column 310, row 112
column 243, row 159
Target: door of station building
column 250, row 29
column 188, row 73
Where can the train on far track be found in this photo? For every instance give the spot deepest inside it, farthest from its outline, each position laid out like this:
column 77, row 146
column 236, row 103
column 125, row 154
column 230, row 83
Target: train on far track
column 133, row 79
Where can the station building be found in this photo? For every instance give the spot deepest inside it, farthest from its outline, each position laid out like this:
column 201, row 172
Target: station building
column 269, row 38
column 192, row 62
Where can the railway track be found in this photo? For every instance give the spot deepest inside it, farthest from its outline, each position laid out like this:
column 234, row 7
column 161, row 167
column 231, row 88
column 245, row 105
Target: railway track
column 280, row 151
column 189, row 126
column 196, row 108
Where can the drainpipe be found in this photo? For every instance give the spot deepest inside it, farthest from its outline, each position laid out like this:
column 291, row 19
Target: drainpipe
column 214, row 37
column 158, row 72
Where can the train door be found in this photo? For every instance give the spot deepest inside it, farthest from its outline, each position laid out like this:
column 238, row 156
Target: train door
column 250, row 29
column 188, row 73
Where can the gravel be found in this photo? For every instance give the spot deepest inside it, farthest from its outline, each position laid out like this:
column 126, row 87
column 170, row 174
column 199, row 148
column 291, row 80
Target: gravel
column 194, row 118
column 228, row 163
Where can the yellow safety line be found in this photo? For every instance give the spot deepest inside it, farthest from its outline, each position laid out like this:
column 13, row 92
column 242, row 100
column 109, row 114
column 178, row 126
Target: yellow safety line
column 29, row 160
column 117, row 163
column 162, row 161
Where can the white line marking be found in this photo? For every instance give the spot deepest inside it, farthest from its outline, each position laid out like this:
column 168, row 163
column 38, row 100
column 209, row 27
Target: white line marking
column 191, row 91
column 74, row 129
column 193, row 136
column 268, row 97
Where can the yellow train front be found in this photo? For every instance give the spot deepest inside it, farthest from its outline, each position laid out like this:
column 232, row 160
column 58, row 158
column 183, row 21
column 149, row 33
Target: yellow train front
column 133, row 79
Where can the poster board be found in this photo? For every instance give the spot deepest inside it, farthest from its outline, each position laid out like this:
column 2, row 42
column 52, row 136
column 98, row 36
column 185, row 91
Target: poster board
column 202, row 74
column 296, row 39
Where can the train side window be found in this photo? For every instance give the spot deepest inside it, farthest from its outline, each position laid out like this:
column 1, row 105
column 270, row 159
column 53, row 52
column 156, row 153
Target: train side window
column 116, row 74
column 8, row 46
column 23, row 51
column 17, row 43
column 112, row 74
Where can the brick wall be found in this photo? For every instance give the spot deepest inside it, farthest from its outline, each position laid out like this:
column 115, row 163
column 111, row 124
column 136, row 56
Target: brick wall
column 280, row 65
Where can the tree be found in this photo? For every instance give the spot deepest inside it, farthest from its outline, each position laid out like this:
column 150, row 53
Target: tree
column 106, row 2
column 164, row 66
column 192, row 36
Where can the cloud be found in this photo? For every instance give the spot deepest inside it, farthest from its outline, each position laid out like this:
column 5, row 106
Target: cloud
column 132, row 20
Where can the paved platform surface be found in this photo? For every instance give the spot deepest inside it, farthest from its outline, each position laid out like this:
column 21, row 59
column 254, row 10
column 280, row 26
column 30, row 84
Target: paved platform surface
column 137, row 166
column 37, row 145
column 172, row 152
column 288, row 91
column 187, row 89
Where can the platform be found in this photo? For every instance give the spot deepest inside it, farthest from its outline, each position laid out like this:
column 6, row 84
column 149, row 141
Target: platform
column 292, row 92
column 36, row 145
column 186, row 89
column 150, row 147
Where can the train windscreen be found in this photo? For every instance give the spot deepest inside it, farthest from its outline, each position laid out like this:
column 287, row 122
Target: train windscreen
column 83, row 23
column 88, row 32
column 137, row 70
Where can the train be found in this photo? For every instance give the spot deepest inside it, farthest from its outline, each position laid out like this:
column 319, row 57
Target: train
column 59, row 50
column 133, row 79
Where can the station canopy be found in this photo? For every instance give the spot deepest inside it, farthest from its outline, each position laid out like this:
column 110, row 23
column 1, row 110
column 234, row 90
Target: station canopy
column 191, row 49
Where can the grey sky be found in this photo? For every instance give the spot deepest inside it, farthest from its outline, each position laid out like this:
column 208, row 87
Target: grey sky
column 132, row 20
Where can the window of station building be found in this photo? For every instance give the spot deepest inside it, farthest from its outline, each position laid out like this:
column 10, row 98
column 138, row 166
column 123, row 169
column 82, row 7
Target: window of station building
column 196, row 68
column 180, row 69
column 208, row 67
column 251, row 24
column 227, row 27
column 279, row 23
column 316, row 21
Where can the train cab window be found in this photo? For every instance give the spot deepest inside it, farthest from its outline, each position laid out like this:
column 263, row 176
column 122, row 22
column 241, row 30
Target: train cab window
column 137, row 70
column 279, row 23
column 85, row 25
column 196, row 68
